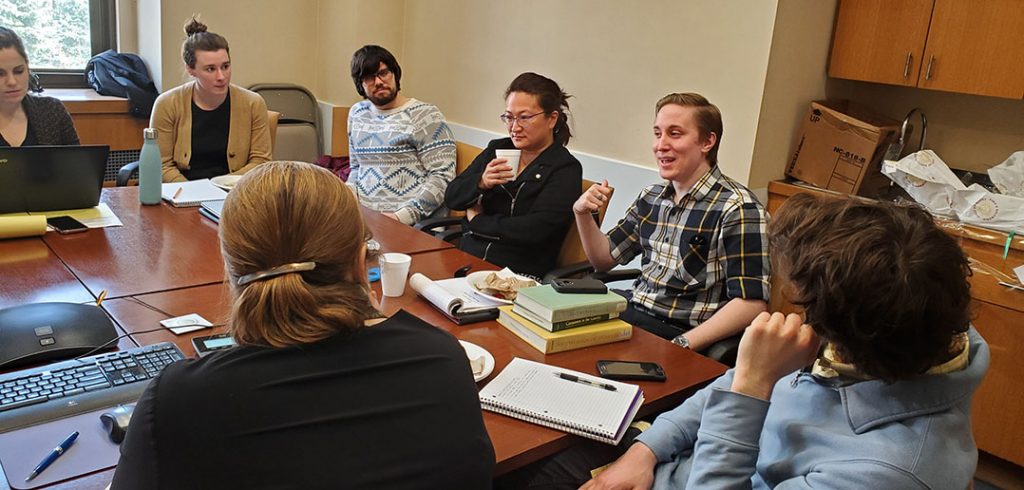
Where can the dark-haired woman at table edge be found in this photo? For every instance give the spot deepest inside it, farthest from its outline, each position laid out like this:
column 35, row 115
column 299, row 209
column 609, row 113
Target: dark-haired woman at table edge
column 322, row 390
column 28, row 120
column 519, row 219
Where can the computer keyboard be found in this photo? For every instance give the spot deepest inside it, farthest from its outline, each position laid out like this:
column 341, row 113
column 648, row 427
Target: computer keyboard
column 57, row 390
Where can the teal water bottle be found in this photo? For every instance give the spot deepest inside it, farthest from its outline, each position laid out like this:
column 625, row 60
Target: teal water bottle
column 149, row 169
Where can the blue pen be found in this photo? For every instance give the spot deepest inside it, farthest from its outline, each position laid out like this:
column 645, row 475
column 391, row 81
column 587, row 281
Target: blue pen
column 50, row 458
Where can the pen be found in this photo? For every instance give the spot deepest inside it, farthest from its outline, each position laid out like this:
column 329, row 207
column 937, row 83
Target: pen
column 103, row 295
column 577, row 379
column 177, row 193
column 54, row 454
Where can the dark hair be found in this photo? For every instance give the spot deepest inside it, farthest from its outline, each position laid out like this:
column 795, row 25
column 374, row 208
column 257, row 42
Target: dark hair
column 550, row 97
column 10, row 39
column 200, row 40
column 880, row 281
column 316, row 219
column 705, row 114
column 366, row 62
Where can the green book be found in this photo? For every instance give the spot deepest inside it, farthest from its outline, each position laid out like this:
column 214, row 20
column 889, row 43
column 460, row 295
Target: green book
column 559, row 326
column 551, row 306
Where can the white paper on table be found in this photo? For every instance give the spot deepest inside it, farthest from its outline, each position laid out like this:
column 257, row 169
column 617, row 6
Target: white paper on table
column 1008, row 176
column 95, row 217
column 1019, row 270
column 186, row 323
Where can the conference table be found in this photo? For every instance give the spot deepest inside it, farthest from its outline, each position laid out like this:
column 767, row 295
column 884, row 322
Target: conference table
column 166, row 262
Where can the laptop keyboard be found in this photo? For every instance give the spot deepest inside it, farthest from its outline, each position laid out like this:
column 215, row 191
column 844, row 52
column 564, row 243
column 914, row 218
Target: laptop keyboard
column 57, row 390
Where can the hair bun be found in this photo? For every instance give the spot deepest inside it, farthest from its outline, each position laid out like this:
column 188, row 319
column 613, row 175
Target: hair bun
column 194, row 27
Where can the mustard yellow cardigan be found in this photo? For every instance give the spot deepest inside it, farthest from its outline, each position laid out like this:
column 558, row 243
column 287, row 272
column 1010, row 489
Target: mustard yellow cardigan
column 248, row 136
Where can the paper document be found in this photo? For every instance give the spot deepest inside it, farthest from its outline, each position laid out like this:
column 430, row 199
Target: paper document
column 192, row 193
column 95, row 217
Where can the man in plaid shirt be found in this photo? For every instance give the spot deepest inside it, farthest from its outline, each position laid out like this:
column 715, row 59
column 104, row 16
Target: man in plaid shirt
column 701, row 234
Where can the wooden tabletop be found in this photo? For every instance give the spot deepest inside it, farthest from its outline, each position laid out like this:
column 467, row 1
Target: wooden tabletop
column 516, row 443
column 31, row 273
column 165, row 262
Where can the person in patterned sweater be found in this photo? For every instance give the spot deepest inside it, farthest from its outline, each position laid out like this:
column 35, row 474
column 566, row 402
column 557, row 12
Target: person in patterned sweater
column 401, row 151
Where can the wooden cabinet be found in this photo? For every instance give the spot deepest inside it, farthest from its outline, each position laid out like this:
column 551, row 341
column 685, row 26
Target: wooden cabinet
column 998, row 313
column 952, row 45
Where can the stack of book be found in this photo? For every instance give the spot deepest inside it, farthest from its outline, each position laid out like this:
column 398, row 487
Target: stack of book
column 554, row 322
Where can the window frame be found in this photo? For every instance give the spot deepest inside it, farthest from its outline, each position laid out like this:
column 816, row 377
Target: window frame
column 103, row 36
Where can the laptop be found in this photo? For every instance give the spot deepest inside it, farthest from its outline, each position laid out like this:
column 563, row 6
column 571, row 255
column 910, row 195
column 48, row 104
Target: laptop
column 211, row 210
column 49, row 178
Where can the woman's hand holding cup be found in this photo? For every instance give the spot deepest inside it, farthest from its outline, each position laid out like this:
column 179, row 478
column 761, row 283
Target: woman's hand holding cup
column 592, row 200
column 497, row 172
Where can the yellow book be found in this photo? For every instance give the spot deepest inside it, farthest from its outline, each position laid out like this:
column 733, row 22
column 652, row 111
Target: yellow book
column 575, row 338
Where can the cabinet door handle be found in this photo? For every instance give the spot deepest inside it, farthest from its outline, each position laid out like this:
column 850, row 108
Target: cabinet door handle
column 906, row 66
column 928, row 71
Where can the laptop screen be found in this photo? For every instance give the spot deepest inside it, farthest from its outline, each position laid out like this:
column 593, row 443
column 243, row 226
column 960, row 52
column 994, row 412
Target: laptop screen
column 48, row 178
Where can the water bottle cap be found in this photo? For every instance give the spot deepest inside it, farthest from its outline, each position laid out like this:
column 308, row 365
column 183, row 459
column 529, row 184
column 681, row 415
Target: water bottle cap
column 149, row 133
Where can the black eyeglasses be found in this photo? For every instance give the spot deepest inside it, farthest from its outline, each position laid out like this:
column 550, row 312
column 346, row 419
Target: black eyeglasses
column 383, row 75
column 523, row 120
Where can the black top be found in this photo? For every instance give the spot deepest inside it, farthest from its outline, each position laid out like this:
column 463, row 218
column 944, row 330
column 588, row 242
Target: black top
column 388, row 406
column 48, row 123
column 209, row 142
column 524, row 221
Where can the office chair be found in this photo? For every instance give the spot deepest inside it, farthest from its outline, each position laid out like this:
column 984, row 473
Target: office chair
column 125, row 174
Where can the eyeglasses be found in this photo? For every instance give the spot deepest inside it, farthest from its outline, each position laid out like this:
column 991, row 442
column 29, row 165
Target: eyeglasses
column 523, row 120
column 383, row 75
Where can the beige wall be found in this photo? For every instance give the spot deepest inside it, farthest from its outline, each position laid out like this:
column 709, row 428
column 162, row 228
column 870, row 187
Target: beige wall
column 796, row 75
column 271, row 41
column 344, row 26
column 616, row 57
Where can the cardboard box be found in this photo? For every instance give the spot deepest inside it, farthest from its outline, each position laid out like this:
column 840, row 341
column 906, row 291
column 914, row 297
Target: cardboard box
column 840, row 147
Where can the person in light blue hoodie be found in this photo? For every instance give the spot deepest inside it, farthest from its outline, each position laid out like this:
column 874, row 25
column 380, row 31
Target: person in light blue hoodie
column 870, row 388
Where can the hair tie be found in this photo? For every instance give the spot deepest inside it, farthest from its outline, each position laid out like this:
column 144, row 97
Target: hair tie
column 276, row 271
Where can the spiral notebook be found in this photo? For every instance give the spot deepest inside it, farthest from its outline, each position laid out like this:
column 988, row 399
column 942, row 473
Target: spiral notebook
column 538, row 393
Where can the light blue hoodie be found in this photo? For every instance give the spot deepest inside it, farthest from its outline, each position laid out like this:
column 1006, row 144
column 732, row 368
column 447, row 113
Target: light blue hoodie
column 816, row 433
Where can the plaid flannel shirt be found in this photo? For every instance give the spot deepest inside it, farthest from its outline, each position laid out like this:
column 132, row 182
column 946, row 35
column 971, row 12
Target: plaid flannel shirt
column 697, row 255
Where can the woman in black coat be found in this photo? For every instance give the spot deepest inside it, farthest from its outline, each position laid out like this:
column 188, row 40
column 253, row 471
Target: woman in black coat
column 518, row 218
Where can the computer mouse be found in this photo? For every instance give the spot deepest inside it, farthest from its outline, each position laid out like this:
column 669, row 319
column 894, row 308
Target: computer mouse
column 115, row 422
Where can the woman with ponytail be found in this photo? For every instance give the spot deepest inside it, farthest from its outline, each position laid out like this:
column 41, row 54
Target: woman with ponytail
column 207, row 126
column 518, row 217
column 322, row 391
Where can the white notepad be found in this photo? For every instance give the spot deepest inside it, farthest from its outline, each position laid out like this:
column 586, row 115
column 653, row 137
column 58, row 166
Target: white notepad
column 192, row 193
column 533, row 392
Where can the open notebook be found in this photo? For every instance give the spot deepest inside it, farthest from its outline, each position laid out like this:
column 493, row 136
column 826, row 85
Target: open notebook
column 534, row 392
column 191, row 193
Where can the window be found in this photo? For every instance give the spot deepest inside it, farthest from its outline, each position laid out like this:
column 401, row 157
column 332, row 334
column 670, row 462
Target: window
column 61, row 35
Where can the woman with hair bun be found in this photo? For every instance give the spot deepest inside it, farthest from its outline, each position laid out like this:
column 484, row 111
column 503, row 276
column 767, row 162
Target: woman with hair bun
column 322, row 391
column 209, row 127
column 28, row 120
column 518, row 218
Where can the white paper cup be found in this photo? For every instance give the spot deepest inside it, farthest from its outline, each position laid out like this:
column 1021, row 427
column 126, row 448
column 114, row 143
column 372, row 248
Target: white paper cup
column 394, row 268
column 512, row 157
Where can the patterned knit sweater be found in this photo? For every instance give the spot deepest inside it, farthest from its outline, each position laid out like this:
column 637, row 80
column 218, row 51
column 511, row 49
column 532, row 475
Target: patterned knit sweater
column 402, row 159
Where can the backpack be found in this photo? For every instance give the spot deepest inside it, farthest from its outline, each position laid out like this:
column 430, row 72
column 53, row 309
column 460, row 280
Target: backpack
column 123, row 75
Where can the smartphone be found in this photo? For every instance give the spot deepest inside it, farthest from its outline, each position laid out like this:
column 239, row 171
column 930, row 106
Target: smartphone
column 642, row 371
column 584, row 285
column 66, row 224
column 209, row 344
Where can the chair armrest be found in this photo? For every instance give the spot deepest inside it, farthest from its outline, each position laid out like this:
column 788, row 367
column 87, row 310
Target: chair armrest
column 725, row 350
column 452, row 235
column 432, row 223
column 571, row 270
column 616, row 275
column 125, row 174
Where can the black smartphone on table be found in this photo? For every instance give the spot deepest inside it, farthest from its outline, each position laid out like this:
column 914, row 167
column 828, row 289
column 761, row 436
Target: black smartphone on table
column 208, row 344
column 66, row 224
column 631, row 370
column 584, row 285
